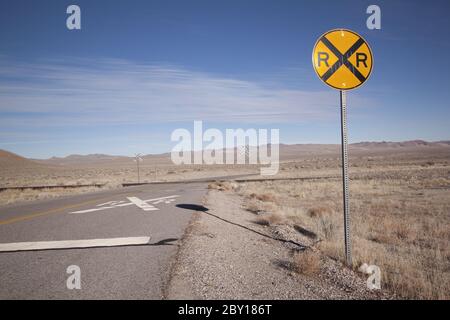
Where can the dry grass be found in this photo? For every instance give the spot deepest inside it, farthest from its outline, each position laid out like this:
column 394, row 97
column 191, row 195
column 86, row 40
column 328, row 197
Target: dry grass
column 54, row 175
column 265, row 197
column 400, row 220
column 269, row 219
column 307, row 262
column 320, row 212
column 14, row 196
column 254, row 206
column 223, row 185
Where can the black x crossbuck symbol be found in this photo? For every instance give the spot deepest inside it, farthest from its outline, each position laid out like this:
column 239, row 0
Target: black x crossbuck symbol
column 343, row 59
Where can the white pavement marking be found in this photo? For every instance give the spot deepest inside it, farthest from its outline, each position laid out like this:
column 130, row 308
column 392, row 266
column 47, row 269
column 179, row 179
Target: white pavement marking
column 111, row 203
column 166, row 200
column 72, row 244
column 142, row 204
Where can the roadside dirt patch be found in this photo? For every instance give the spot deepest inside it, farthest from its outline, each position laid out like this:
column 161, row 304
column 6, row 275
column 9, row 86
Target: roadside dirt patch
column 226, row 255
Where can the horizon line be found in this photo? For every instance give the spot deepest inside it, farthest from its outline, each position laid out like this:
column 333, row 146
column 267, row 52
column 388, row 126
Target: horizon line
column 268, row 144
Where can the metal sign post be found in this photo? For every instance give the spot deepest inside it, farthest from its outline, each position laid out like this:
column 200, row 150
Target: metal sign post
column 139, row 177
column 344, row 155
column 343, row 60
column 138, row 159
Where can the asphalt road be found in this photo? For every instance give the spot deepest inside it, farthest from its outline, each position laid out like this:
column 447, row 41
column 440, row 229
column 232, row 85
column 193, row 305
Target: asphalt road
column 123, row 271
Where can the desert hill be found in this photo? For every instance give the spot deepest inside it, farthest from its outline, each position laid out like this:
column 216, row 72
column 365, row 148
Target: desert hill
column 287, row 152
column 9, row 159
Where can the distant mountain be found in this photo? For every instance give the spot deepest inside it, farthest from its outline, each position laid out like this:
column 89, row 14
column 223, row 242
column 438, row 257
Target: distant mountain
column 98, row 159
column 9, row 159
column 287, row 152
column 404, row 144
column 298, row 150
column 75, row 159
column 293, row 151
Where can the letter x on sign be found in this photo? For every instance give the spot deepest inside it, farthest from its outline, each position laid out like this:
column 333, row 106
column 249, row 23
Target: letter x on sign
column 342, row 59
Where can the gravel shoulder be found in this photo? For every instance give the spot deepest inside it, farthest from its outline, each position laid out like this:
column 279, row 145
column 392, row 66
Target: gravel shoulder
column 226, row 255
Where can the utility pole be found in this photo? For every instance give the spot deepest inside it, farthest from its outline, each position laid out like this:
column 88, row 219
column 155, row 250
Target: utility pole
column 137, row 158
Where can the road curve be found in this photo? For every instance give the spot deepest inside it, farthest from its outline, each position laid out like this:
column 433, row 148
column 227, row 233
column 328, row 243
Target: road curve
column 40, row 240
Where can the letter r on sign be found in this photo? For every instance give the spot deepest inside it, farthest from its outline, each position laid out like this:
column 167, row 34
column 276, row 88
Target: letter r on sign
column 322, row 56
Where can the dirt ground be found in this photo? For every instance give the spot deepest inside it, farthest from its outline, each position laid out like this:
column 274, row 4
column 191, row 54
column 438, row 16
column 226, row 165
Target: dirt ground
column 400, row 222
column 227, row 254
column 400, row 219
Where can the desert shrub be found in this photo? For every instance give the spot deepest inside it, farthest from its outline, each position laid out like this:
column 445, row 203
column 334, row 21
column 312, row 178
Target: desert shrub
column 271, row 219
column 253, row 206
column 265, row 197
column 307, row 262
column 222, row 185
column 320, row 211
column 328, row 227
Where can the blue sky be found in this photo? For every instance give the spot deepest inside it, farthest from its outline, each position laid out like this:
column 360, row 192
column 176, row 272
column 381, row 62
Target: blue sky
column 140, row 69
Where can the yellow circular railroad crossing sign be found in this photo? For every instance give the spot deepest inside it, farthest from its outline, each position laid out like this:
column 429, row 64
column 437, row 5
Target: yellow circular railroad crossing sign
column 342, row 59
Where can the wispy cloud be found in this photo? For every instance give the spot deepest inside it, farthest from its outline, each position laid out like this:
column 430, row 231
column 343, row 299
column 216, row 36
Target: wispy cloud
column 94, row 92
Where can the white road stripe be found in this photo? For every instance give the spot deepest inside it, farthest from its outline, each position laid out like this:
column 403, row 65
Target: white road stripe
column 155, row 200
column 92, row 210
column 72, row 244
column 142, row 204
